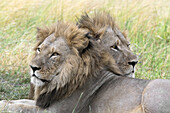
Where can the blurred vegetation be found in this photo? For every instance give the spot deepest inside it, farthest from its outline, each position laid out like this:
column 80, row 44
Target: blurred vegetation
column 147, row 23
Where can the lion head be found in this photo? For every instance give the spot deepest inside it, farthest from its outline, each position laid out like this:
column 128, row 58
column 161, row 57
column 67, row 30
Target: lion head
column 103, row 28
column 63, row 61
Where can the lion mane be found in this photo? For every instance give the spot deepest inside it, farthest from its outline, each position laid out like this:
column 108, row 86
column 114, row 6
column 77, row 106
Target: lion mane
column 96, row 22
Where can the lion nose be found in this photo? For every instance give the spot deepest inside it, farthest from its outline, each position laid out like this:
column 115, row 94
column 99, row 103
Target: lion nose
column 133, row 63
column 35, row 68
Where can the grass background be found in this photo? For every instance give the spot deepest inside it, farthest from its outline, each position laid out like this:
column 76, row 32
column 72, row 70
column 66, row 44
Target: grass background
column 147, row 23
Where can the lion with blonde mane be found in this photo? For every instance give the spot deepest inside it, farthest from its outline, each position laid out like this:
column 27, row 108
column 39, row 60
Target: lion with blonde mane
column 60, row 65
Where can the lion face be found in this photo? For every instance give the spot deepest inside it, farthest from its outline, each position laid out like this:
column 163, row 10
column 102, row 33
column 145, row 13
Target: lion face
column 118, row 46
column 57, row 55
column 103, row 28
column 50, row 55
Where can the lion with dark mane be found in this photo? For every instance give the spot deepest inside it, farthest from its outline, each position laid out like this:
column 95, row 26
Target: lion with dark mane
column 73, row 71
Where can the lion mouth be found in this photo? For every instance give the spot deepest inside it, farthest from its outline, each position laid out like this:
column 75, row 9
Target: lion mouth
column 132, row 72
column 43, row 80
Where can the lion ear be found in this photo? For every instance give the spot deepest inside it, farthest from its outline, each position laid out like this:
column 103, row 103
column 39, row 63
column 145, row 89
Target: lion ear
column 101, row 32
column 42, row 33
column 80, row 43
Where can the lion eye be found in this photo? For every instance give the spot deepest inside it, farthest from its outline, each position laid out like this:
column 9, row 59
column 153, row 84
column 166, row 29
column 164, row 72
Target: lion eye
column 114, row 47
column 55, row 54
column 38, row 50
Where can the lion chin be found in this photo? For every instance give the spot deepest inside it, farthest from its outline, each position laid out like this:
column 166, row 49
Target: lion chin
column 37, row 82
column 132, row 75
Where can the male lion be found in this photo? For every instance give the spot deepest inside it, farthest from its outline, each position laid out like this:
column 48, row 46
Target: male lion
column 103, row 28
column 63, row 64
column 83, row 80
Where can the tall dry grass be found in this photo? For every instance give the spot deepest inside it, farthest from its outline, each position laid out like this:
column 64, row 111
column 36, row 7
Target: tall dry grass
column 147, row 21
